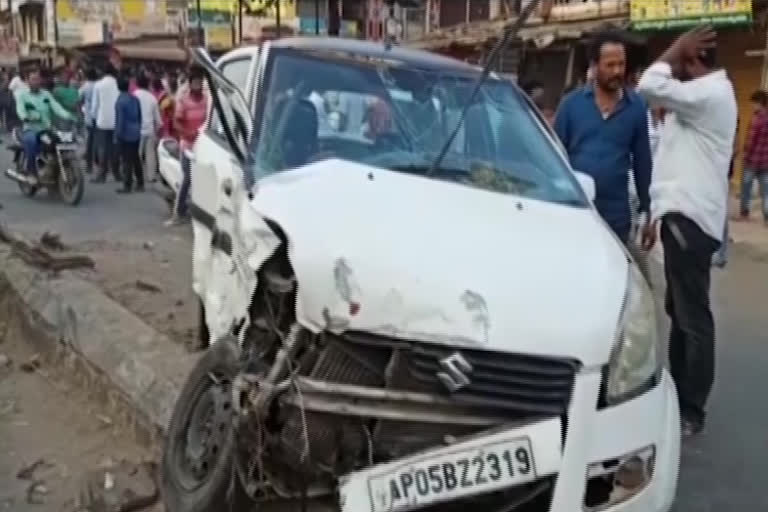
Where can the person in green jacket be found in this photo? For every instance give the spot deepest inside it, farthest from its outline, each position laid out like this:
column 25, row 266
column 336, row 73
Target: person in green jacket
column 66, row 92
column 35, row 108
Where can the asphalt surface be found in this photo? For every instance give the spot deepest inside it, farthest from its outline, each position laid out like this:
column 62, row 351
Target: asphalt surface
column 102, row 215
column 722, row 470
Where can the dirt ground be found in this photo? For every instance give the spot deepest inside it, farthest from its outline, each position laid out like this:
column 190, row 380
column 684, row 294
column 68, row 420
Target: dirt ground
column 50, row 437
column 151, row 278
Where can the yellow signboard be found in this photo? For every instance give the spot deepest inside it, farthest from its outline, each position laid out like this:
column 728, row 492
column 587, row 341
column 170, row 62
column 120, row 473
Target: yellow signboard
column 218, row 36
column 267, row 7
column 672, row 14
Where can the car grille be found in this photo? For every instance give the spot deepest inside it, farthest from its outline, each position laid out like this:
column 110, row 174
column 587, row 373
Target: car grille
column 522, row 385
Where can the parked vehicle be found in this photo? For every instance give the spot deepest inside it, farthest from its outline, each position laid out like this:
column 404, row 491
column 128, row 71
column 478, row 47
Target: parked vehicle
column 390, row 331
column 60, row 168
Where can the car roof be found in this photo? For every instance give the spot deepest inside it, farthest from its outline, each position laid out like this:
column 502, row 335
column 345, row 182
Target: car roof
column 417, row 58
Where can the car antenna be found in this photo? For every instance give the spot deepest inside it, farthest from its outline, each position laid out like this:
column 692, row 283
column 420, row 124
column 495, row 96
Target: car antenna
column 510, row 32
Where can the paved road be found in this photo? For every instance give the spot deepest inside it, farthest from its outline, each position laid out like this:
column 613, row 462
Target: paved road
column 102, row 215
column 722, row 470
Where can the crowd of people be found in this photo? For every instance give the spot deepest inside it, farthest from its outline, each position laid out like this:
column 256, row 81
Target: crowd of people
column 123, row 113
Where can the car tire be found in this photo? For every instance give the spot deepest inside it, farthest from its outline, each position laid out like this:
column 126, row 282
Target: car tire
column 208, row 481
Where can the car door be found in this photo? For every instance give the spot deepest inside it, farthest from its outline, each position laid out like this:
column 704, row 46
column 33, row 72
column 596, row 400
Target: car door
column 219, row 190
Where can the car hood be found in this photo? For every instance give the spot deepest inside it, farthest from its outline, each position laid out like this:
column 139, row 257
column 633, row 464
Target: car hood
column 423, row 259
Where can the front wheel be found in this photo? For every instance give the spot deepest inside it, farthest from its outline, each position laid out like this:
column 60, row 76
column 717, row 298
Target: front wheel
column 198, row 471
column 72, row 182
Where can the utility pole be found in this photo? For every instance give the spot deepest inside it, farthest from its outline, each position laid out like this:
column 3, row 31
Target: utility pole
column 55, row 28
column 200, row 37
column 334, row 23
column 277, row 18
column 317, row 17
column 240, row 20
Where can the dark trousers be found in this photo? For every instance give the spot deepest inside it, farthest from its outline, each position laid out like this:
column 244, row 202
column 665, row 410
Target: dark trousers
column 89, row 147
column 131, row 163
column 107, row 154
column 180, row 209
column 687, row 263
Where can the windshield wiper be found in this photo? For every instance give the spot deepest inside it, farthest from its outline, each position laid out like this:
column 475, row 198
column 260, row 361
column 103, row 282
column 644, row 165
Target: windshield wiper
column 510, row 32
column 428, row 170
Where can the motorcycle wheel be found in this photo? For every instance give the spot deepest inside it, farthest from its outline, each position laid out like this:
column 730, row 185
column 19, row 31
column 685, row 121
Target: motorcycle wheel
column 71, row 190
column 197, row 471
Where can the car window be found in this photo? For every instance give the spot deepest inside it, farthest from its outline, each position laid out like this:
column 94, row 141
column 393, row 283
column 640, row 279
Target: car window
column 237, row 71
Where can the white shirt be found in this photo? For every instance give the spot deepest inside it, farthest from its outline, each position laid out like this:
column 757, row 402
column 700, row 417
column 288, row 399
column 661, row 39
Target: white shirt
column 103, row 102
column 17, row 86
column 690, row 168
column 86, row 96
column 150, row 112
column 654, row 132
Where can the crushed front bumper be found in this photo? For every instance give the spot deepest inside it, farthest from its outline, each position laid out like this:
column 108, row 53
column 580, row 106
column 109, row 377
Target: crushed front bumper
column 649, row 423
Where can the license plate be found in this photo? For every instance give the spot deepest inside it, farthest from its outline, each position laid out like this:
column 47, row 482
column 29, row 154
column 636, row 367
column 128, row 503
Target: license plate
column 453, row 475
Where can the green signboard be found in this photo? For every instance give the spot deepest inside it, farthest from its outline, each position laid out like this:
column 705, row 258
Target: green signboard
column 681, row 14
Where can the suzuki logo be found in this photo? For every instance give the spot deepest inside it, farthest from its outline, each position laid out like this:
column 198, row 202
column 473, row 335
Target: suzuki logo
column 457, row 371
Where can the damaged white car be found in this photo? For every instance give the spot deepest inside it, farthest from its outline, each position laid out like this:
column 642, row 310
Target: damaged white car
column 402, row 320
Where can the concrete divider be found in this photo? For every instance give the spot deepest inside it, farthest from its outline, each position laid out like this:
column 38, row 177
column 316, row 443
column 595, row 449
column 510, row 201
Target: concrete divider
column 135, row 370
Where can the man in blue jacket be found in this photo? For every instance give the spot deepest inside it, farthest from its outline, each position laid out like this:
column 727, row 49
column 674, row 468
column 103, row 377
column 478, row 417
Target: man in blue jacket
column 604, row 128
column 128, row 136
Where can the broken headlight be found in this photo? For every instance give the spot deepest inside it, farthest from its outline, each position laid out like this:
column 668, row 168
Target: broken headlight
column 634, row 366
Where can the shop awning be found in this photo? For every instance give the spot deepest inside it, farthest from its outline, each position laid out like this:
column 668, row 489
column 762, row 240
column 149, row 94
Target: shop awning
column 480, row 33
column 149, row 53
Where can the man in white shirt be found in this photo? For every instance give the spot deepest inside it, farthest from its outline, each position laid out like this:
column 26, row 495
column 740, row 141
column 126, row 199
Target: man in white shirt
column 103, row 100
column 17, row 85
column 689, row 195
column 86, row 96
column 151, row 123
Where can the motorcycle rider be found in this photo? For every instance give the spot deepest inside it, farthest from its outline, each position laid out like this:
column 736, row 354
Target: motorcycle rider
column 35, row 108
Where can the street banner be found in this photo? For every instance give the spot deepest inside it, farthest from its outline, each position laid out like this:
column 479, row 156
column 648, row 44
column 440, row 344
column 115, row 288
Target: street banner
column 216, row 24
column 681, row 14
column 76, row 20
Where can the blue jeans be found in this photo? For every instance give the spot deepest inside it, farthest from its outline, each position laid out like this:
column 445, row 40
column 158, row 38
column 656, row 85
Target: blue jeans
column 31, row 145
column 182, row 198
column 746, row 190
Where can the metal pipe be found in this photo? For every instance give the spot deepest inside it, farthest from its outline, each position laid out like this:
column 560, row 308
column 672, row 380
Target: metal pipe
column 199, row 18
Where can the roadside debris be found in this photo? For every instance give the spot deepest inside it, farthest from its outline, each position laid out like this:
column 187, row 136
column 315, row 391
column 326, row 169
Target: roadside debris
column 28, row 472
column 148, row 245
column 36, row 493
column 36, row 255
column 124, row 487
column 147, row 287
column 9, row 407
column 52, row 241
column 31, row 365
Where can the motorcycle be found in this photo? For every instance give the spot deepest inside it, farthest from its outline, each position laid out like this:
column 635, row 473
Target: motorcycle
column 60, row 168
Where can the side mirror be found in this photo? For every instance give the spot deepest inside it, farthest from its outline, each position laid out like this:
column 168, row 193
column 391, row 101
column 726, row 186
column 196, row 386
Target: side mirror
column 587, row 184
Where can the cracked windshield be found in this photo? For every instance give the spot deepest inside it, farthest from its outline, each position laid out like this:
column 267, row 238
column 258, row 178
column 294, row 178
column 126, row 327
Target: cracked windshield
column 399, row 117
